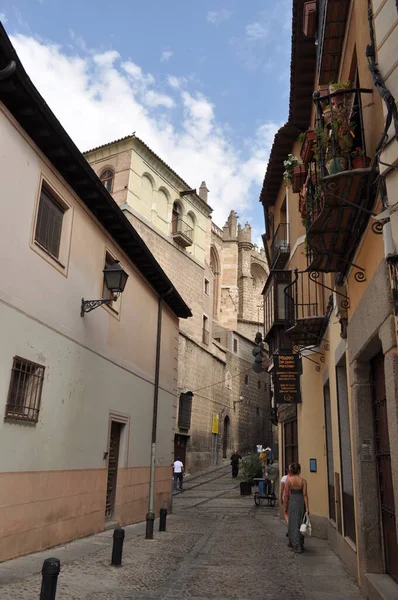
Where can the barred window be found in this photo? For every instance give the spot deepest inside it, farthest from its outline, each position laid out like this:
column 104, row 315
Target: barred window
column 49, row 223
column 24, row 395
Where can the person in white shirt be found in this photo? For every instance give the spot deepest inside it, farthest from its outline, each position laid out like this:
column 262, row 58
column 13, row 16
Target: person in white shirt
column 178, row 469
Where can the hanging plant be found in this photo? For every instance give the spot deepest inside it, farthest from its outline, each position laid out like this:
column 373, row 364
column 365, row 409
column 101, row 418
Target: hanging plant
column 289, row 164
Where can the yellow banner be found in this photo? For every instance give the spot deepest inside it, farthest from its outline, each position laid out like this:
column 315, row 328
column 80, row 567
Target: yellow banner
column 214, row 427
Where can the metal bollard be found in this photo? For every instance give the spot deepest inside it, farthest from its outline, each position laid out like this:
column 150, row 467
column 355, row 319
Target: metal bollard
column 117, row 550
column 50, row 571
column 150, row 519
column 162, row 519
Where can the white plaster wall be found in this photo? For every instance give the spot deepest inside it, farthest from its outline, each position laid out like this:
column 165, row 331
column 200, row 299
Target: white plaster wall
column 94, row 364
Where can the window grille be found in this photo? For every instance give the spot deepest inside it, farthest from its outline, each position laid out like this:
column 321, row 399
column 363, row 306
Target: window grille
column 24, row 396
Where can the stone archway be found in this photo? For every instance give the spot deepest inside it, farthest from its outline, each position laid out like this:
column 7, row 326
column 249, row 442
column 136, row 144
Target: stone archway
column 225, row 439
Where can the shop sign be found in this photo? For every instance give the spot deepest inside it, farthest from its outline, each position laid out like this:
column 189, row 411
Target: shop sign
column 286, row 376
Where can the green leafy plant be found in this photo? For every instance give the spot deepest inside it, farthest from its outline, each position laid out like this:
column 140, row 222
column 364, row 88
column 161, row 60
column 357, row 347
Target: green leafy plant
column 301, row 137
column 339, row 85
column 250, row 467
column 289, row 165
column 357, row 152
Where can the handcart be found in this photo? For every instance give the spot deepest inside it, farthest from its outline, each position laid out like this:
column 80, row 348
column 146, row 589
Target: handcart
column 265, row 488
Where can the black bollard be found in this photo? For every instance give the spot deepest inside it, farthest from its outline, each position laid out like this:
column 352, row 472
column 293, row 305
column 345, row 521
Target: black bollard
column 162, row 519
column 117, row 550
column 150, row 519
column 50, row 571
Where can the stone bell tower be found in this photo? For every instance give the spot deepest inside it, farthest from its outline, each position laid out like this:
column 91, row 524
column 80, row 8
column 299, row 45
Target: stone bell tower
column 245, row 279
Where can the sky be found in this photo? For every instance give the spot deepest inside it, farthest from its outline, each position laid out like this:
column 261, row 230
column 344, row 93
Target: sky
column 204, row 84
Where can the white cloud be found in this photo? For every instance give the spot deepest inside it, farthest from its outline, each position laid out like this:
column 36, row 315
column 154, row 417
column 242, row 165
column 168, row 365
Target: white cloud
column 256, row 31
column 3, row 18
column 104, row 98
column 216, row 17
column 166, row 55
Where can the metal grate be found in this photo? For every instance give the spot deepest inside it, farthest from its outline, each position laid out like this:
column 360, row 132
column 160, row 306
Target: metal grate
column 24, row 396
column 49, row 224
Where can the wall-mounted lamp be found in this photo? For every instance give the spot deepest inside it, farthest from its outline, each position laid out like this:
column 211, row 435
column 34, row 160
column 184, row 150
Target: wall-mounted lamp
column 115, row 280
column 241, row 399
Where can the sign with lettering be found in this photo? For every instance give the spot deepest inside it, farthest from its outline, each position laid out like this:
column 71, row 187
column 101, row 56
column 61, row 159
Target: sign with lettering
column 286, row 375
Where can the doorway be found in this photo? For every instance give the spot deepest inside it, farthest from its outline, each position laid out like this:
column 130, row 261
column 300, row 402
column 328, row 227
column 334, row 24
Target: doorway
column 180, row 448
column 383, row 461
column 113, row 460
column 225, row 439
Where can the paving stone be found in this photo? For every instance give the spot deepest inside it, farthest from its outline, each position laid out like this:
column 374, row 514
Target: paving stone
column 218, row 546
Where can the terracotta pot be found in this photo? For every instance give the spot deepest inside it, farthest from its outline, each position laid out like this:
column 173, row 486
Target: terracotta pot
column 336, row 165
column 298, row 179
column 360, row 162
column 327, row 116
column 307, row 152
column 338, row 98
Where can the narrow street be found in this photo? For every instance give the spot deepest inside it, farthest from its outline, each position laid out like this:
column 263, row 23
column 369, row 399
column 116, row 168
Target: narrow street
column 218, row 545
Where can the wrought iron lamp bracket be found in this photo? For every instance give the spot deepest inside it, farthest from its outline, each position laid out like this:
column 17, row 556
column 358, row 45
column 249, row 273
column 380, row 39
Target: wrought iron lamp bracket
column 89, row 305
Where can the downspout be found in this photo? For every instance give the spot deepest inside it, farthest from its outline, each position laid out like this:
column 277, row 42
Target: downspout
column 150, row 517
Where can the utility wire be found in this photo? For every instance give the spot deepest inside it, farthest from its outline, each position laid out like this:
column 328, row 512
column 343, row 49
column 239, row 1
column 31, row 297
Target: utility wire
column 222, row 381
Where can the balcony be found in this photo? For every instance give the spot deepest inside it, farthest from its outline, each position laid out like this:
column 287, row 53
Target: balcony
column 274, row 307
column 182, row 232
column 308, row 304
column 280, row 247
column 339, row 194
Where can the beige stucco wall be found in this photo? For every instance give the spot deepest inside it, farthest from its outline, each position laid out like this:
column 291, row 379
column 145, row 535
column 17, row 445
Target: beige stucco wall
column 95, row 366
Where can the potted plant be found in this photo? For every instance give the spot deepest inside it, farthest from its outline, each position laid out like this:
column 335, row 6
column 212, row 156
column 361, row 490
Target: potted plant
column 327, row 114
column 299, row 176
column 250, row 468
column 289, row 164
column 358, row 159
column 309, row 140
column 336, row 87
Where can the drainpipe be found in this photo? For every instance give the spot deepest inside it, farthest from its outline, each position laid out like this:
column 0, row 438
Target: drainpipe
column 150, row 517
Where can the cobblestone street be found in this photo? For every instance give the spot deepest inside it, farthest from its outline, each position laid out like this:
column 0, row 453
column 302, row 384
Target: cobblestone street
column 218, row 545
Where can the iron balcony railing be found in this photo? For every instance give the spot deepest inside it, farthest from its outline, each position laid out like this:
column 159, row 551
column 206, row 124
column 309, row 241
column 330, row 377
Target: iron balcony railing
column 280, row 248
column 182, row 232
column 308, row 305
column 338, row 195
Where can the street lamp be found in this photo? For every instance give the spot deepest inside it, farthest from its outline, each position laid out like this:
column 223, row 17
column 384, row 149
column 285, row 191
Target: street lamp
column 115, row 280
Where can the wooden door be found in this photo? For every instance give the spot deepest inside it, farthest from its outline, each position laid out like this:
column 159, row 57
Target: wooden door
column 113, row 460
column 225, row 440
column 383, row 459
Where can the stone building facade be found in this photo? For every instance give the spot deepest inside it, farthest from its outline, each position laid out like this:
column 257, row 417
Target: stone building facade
column 220, row 274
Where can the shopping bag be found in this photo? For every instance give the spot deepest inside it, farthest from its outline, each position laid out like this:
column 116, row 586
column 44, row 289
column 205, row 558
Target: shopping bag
column 305, row 528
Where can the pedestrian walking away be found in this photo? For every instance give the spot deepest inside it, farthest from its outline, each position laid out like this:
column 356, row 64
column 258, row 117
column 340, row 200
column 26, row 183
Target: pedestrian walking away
column 178, row 470
column 235, row 458
column 282, row 495
column 296, row 505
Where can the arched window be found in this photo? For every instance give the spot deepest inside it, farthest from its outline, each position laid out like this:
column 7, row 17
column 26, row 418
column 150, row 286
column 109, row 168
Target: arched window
column 107, row 178
column 147, row 192
column 176, row 215
column 216, row 270
column 161, row 204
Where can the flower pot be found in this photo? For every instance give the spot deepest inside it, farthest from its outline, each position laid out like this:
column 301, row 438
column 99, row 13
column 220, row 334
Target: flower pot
column 360, row 162
column 245, row 488
column 336, row 165
column 307, row 153
column 338, row 98
column 324, row 96
column 327, row 115
column 298, row 179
